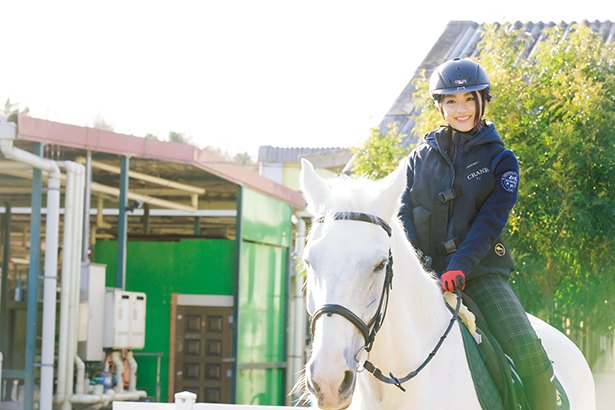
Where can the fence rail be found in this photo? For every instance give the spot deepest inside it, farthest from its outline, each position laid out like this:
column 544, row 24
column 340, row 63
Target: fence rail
column 186, row 401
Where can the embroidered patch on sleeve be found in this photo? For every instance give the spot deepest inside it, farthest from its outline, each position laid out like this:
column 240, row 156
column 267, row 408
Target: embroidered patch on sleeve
column 509, row 181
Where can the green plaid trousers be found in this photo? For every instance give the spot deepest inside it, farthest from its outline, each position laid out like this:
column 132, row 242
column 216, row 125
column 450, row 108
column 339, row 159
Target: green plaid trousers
column 508, row 322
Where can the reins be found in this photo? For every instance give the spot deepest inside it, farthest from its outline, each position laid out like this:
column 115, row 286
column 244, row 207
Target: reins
column 369, row 335
column 398, row 381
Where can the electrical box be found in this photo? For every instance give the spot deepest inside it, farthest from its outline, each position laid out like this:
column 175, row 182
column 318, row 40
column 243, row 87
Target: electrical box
column 124, row 324
column 91, row 312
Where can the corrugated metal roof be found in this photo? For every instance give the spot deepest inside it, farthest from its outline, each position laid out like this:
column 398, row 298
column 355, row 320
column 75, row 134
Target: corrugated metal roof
column 269, row 154
column 460, row 39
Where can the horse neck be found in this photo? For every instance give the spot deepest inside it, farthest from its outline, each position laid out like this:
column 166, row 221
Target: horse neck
column 416, row 312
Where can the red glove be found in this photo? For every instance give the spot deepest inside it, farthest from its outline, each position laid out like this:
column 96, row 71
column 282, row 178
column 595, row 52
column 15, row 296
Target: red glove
column 452, row 280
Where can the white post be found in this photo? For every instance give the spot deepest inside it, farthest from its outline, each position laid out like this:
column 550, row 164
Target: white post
column 184, row 400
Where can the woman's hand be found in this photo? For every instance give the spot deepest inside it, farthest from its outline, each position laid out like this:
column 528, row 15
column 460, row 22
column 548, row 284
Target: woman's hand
column 452, row 280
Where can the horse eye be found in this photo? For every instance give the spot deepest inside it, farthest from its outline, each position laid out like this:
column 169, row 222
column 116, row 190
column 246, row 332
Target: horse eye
column 379, row 267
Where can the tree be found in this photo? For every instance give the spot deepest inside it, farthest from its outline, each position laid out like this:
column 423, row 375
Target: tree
column 556, row 110
column 179, row 137
column 12, row 110
column 380, row 154
column 100, row 124
column 245, row 159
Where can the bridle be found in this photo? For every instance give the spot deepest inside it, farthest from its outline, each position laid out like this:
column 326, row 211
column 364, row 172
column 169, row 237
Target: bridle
column 369, row 330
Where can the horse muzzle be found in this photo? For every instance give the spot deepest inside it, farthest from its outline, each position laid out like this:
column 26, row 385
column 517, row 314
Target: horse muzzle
column 330, row 389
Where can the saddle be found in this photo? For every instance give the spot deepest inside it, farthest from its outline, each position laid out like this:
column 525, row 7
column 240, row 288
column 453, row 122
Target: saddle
column 497, row 383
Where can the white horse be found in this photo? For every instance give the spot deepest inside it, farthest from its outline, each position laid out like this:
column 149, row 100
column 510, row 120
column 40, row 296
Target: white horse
column 346, row 255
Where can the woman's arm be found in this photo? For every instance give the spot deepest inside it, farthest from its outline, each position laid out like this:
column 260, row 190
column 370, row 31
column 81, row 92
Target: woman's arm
column 492, row 215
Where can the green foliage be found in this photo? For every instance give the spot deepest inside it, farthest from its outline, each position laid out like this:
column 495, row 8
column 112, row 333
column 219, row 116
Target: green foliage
column 244, row 158
column 179, row 137
column 12, row 110
column 556, row 110
column 101, row 124
column 380, row 154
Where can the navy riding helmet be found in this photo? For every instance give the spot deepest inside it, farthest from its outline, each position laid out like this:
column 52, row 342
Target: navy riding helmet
column 457, row 76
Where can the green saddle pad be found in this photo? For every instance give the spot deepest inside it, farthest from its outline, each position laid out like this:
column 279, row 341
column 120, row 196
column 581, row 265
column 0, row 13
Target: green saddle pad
column 505, row 397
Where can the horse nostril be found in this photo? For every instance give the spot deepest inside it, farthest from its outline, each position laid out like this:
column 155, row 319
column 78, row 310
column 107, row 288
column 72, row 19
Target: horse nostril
column 312, row 387
column 348, row 381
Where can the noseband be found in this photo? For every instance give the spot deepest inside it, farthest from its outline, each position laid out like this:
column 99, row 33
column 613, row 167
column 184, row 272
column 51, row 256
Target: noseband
column 368, row 330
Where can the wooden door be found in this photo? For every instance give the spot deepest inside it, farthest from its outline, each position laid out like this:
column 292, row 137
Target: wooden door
column 203, row 360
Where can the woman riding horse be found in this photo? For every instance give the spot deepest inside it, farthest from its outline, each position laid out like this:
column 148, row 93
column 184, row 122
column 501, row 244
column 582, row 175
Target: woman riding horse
column 461, row 186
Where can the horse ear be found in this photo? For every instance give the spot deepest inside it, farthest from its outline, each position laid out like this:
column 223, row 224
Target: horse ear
column 392, row 187
column 314, row 188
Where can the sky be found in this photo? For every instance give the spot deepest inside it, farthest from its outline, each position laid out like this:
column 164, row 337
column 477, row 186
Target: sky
column 235, row 74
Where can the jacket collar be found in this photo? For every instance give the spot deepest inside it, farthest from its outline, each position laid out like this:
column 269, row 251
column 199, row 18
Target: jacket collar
column 486, row 135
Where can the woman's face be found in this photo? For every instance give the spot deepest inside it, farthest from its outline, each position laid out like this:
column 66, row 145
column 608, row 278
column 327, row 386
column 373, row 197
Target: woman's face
column 459, row 111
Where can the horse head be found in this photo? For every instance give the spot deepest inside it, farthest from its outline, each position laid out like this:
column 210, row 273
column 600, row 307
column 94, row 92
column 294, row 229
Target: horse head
column 347, row 256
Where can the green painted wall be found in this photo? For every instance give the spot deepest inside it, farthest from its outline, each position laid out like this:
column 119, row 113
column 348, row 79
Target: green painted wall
column 209, row 267
column 159, row 269
column 262, row 299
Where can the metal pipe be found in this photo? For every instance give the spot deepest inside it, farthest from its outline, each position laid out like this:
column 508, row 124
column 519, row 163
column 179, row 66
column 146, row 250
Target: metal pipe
column 75, row 275
column 132, row 365
column 298, row 328
column 80, row 378
column 49, row 291
column 119, row 369
column 8, row 132
column 69, row 220
column 69, row 298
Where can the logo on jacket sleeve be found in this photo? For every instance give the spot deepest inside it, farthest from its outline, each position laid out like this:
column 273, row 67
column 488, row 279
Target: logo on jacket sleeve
column 499, row 249
column 509, row 181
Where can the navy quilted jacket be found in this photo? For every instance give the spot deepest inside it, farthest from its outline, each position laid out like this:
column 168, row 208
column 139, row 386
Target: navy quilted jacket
column 458, row 199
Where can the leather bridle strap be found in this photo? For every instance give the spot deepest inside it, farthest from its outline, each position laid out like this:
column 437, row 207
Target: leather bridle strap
column 398, row 381
column 346, row 314
column 359, row 216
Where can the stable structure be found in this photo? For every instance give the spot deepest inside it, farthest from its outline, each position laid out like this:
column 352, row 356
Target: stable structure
column 198, row 251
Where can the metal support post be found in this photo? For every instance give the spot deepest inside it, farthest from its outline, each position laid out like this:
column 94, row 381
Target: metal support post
column 197, row 225
column 122, row 224
column 33, row 277
column 4, row 291
column 85, row 252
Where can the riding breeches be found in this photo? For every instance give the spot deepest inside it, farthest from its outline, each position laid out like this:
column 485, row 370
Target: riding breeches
column 508, row 322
